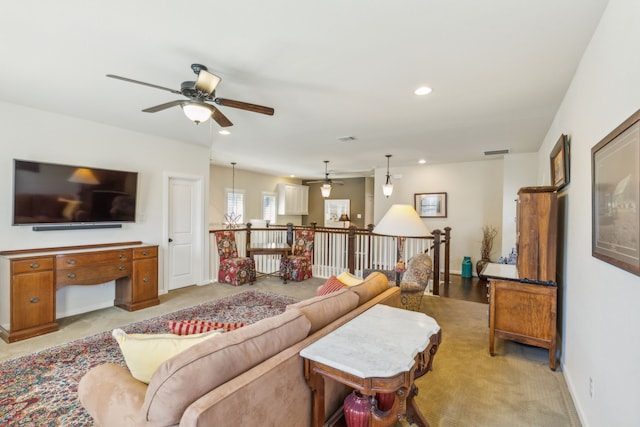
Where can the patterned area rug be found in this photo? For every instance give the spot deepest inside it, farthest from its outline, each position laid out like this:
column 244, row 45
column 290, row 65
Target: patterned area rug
column 41, row 389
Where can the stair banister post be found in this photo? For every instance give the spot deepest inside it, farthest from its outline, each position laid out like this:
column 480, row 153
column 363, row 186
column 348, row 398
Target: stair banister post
column 351, row 249
column 436, row 261
column 447, row 253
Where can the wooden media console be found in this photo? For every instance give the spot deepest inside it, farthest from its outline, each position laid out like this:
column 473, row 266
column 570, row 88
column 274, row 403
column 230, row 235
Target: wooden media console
column 29, row 280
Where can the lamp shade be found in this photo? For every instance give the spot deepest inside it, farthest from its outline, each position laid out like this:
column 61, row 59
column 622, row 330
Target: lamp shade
column 197, row 111
column 325, row 190
column 344, row 217
column 402, row 220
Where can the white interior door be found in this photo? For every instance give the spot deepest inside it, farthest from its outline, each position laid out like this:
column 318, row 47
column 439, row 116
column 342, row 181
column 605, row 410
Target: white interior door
column 184, row 231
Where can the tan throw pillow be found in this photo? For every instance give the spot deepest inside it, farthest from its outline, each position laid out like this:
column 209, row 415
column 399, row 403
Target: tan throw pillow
column 143, row 353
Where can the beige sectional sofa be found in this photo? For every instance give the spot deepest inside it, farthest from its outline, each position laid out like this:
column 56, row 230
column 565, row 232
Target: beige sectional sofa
column 252, row 376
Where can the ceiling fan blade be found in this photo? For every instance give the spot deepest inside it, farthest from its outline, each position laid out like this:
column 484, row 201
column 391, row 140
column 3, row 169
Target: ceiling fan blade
column 177, row 92
column 316, row 182
column 220, row 118
column 162, row 106
column 244, row 106
column 337, row 182
column 207, row 82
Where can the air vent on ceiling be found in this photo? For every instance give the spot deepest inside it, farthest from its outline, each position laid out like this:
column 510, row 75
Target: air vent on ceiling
column 495, row 152
column 346, row 138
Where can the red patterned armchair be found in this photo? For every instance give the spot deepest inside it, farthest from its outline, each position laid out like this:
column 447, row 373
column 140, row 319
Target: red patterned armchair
column 233, row 269
column 298, row 266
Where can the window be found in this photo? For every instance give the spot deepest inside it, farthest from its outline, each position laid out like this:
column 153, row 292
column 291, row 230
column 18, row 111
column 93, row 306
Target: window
column 234, row 212
column 269, row 207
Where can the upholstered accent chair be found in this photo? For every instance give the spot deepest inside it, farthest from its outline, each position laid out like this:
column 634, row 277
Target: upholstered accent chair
column 298, row 266
column 233, row 269
column 415, row 281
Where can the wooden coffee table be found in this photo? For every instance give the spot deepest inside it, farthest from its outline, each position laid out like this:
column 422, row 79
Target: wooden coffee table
column 383, row 350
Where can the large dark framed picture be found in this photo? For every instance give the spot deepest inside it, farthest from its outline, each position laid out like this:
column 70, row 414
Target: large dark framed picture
column 560, row 163
column 615, row 178
column 431, row 205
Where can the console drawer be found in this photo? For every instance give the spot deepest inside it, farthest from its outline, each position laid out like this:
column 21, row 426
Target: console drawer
column 30, row 265
column 146, row 252
column 93, row 274
column 92, row 258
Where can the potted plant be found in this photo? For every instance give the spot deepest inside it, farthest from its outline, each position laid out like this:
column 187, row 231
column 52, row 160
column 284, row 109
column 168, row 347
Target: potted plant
column 489, row 233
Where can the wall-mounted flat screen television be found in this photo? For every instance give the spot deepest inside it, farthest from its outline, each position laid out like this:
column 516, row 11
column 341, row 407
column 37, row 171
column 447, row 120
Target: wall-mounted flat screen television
column 46, row 193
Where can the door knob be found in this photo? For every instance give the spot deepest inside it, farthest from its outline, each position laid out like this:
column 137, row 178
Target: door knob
column 170, row 240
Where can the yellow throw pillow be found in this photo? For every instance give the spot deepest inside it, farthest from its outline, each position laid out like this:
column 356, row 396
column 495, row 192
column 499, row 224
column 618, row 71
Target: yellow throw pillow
column 144, row 353
column 349, row 279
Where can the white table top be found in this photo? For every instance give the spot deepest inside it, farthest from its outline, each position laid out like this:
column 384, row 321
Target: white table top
column 381, row 342
column 507, row 271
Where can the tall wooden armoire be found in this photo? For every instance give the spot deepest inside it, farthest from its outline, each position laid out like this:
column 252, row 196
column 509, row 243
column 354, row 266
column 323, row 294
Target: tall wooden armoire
column 523, row 300
column 537, row 233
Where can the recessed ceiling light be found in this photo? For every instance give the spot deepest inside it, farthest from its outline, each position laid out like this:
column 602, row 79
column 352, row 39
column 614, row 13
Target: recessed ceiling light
column 423, row 90
column 422, row 161
column 224, row 132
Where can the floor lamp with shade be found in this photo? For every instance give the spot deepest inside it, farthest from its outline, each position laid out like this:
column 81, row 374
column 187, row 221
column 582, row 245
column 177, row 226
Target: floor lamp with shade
column 401, row 221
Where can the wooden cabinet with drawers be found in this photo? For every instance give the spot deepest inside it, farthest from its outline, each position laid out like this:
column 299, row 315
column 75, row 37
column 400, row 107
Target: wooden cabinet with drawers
column 33, row 295
column 29, row 280
column 523, row 298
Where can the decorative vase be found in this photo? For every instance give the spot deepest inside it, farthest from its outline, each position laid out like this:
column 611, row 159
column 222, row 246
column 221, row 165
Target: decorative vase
column 357, row 410
column 480, row 266
column 385, row 400
column 466, row 267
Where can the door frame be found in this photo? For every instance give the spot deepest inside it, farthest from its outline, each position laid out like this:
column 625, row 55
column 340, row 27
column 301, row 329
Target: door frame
column 201, row 254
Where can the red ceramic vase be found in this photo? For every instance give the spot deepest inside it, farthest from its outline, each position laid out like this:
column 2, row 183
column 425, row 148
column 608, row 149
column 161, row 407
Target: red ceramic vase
column 385, row 400
column 357, row 410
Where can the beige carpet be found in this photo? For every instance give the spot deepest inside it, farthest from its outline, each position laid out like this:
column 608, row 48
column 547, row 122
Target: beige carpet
column 468, row 387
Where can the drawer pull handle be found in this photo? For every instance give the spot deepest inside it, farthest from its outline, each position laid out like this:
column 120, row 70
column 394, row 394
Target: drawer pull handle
column 145, row 253
column 145, row 279
column 34, row 265
column 71, row 275
column 71, row 261
column 122, row 268
column 34, row 300
column 123, row 256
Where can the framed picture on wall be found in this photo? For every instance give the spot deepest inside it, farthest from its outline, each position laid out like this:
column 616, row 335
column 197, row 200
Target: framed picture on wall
column 560, row 163
column 431, row 205
column 615, row 180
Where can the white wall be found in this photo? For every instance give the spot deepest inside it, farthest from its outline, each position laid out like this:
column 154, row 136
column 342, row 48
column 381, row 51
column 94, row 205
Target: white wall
column 37, row 135
column 601, row 324
column 519, row 171
column 474, row 192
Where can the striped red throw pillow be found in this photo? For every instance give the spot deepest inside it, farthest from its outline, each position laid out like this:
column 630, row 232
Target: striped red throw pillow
column 188, row 327
column 331, row 285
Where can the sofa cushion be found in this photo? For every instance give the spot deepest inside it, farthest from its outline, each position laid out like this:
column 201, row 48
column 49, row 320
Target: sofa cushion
column 143, row 353
column 183, row 379
column 349, row 279
column 324, row 309
column 374, row 284
column 188, row 327
column 331, row 285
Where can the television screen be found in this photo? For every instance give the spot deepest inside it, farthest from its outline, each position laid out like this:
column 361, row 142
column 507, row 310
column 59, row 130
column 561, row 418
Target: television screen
column 46, row 193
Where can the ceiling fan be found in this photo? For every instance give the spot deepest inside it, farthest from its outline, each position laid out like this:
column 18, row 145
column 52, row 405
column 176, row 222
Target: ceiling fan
column 200, row 92
column 326, row 182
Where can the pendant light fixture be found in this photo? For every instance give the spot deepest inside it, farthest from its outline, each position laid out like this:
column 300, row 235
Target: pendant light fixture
column 387, row 188
column 231, row 218
column 326, row 187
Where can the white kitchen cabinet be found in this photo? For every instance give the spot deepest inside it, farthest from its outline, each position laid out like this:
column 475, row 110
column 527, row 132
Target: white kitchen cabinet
column 293, row 199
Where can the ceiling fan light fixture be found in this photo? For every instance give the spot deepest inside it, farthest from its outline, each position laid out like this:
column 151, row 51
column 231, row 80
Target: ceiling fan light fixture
column 325, row 190
column 196, row 112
